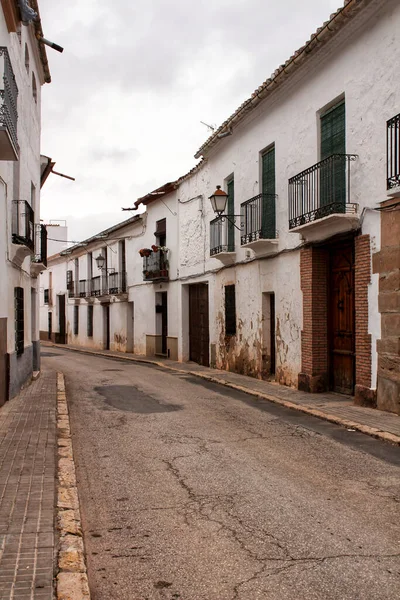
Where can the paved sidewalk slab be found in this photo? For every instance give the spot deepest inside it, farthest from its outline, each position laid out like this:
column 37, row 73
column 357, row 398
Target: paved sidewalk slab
column 27, row 491
column 330, row 406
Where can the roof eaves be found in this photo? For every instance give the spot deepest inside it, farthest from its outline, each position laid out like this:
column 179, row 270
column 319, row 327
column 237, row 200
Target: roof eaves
column 39, row 34
column 102, row 234
column 322, row 35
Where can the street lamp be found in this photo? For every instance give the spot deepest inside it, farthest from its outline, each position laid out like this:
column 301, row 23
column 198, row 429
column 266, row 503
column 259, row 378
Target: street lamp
column 218, row 202
column 100, row 260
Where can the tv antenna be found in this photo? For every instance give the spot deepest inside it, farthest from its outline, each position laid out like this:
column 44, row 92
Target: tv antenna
column 209, row 127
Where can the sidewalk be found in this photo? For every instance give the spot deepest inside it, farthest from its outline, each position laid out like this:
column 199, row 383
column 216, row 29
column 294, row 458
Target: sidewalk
column 27, row 491
column 331, row 407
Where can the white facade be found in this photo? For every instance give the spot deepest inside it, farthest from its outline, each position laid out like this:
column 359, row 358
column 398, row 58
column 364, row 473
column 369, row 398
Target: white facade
column 284, row 304
column 20, row 188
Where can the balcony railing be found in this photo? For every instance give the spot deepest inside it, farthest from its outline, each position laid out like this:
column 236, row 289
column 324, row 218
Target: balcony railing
column 221, row 236
column 8, row 109
column 96, row 286
column 82, row 288
column 258, row 217
column 321, row 190
column 117, row 283
column 23, row 224
column 393, row 152
column 155, row 266
column 40, row 255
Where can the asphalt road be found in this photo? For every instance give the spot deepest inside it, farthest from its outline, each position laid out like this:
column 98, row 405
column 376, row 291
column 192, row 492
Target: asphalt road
column 190, row 491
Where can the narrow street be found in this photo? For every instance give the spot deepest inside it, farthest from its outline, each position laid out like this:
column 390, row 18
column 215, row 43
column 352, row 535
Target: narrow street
column 190, row 491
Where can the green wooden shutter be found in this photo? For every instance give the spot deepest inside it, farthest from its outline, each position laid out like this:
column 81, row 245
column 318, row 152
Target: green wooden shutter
column 268, row 226
column 333, row 173
column 231, row 211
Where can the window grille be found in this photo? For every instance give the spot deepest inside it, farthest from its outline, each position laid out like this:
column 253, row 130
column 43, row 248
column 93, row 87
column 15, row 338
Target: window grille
column 46, row 296
column 90, row 321
column 19, row 319
column 230, row 310
column 76, row 320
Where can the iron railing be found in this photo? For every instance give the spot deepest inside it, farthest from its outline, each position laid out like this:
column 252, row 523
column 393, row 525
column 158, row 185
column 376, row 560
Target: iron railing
column 258, row 218
column 321, row 190
column 393, row 152
column 221, row 238
column 40, row 255
column 23, row 224
column 82, row 288
column 95, row 286
column 117, row 283
column 8, row 96
column 155, row 266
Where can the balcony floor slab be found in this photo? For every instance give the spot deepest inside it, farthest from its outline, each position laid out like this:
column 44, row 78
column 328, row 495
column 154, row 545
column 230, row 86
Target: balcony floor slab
column 262, row 246
column 326, row 227
column 227, row 258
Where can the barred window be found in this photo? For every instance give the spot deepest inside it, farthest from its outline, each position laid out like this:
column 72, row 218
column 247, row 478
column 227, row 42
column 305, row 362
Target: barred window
column 230, row 310
column 46, row 296
column 19, row 319
column 90, row 321
column 76, row 320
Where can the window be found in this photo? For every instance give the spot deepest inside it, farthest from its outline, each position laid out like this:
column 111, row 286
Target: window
column 90, row 321
column 19, row 319
column 26, row 58
column 46, row 296
column 76, row 320
column 161, row 232
column 231, row 211
column 230, row 310
column 333, row 141
column 70, row 284
column 268, row 221
column 34, row 87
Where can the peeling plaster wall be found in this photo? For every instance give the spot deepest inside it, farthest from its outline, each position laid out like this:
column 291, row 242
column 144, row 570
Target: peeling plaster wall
column 360, row 64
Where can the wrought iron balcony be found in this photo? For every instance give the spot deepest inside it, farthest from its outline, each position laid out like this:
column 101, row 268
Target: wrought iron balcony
column 222, row 237
column 40, row 255
column 321, row 190
column 82, row 288
column 9, row 149
column 23, row 224
column 155, row 266
column 96, row 287
column 117, row 283
column 393, row 154
column 259, row 222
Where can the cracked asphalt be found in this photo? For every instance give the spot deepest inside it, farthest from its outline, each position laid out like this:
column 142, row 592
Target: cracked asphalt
column 190, row 491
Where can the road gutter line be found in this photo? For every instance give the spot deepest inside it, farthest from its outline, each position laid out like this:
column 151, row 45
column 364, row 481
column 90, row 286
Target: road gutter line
column 72, row 581
column 366, row 429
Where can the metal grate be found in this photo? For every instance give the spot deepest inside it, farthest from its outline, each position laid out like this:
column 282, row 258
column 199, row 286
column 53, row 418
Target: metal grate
column 220, row 236
column 258, row 218
column 19, row 320
column 90, row 321
column 230, row 310
column 320, row 190
column 76, row 320
column 9, row 96
column 40, row 245
column 393, row 152
column 23, row 224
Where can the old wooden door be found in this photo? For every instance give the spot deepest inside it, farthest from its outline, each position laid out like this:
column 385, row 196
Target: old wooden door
column 199, row 339
column 341, row 319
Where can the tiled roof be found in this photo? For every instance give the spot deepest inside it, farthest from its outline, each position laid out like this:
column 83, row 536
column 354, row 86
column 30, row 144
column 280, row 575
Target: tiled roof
column 42, row 49
column 323, row 34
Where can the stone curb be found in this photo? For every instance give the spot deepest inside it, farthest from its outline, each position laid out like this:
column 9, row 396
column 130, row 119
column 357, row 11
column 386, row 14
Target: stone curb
column 372, row 431
column 71, row 581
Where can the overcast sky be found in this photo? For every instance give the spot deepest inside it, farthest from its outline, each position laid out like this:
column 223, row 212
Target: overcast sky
column 123, row 111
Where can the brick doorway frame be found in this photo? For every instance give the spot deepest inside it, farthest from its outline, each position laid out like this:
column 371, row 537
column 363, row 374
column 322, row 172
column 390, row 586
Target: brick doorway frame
column 314, row 265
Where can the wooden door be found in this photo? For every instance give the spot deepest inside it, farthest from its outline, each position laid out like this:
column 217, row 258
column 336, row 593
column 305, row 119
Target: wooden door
column 61, row 320
column 341, row 319
column 199, row 337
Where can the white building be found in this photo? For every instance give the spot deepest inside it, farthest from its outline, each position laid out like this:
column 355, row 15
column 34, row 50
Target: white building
column 24, row 67
column 283, row 288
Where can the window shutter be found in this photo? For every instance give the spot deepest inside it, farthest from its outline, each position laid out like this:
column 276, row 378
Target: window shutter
column 231, row 211
column 268, row 188
column 333, row 131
